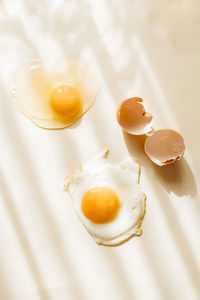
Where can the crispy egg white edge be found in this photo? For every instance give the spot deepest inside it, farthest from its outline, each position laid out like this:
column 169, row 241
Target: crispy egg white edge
column 133, row 231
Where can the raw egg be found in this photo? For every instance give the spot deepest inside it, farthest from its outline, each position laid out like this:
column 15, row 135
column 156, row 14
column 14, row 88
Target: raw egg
column 54, row 95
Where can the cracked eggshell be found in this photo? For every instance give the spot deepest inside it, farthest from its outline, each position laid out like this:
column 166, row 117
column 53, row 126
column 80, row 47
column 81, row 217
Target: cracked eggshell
column 164, row 146
column 133, row 118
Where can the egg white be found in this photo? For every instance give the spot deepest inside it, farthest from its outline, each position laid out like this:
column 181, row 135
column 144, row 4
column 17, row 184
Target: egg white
column 124, row 180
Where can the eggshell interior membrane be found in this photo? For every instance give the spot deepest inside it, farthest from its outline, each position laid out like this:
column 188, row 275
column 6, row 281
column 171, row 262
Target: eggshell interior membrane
column 35, row 82
column 133, row 118
column 164, row 146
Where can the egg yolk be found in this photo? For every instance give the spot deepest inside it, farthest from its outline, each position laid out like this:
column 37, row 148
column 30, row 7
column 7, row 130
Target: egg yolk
column 100, row 205
column 65, row 100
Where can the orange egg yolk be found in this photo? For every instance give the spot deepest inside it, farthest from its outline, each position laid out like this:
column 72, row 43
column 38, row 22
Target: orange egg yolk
column 100, row 205
column 65, row 100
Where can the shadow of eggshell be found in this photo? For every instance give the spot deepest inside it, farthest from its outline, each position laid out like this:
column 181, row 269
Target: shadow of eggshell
column 135, row 147
column 177, row 178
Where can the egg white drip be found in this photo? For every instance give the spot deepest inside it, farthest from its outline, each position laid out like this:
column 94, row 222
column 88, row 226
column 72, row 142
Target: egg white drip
column 123, row 179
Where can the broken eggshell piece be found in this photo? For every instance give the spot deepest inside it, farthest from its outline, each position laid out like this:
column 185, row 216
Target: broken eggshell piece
column 164, row 146
column 133, row 118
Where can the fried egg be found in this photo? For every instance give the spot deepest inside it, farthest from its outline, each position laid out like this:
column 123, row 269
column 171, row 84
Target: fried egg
column 54, row 95
column 108, row 199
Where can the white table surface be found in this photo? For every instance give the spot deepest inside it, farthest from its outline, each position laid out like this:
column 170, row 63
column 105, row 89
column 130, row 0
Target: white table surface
column 140, row 48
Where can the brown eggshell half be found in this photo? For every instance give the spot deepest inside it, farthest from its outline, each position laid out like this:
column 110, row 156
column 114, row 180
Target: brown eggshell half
column 164, row 146
column 133, row 118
